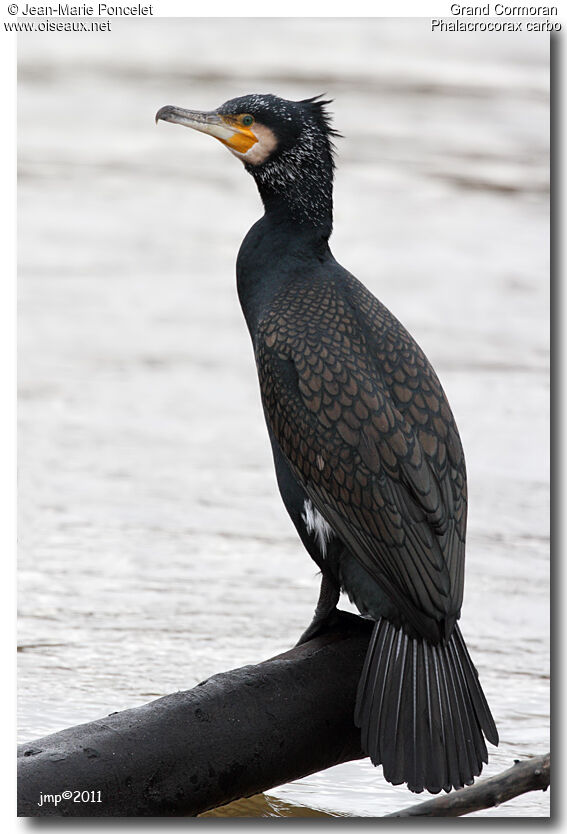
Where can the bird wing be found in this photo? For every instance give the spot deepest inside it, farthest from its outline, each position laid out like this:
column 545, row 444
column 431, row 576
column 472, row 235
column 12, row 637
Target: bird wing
column 369, row 469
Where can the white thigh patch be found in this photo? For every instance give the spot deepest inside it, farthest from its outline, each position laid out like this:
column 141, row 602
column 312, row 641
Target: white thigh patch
column 317, row 525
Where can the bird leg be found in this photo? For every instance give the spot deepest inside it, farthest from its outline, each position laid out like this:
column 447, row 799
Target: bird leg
column 324, row 612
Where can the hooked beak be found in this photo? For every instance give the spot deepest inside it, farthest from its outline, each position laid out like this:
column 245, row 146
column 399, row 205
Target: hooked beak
column 226, row 129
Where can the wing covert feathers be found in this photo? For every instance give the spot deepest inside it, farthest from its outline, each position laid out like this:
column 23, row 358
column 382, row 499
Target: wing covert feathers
column 363, row 421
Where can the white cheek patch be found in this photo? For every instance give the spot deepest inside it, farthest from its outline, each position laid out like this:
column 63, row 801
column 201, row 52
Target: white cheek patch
column 261, row 149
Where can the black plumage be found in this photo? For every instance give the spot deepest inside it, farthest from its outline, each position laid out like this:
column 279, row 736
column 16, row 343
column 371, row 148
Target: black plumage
column 367, row 454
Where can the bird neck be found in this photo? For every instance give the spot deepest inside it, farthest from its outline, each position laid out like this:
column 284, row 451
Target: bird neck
column 297, row 207
column 297, row 190
column 275, row 255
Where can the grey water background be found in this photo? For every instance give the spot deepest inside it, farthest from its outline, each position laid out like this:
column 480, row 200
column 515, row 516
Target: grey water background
column 154, row 549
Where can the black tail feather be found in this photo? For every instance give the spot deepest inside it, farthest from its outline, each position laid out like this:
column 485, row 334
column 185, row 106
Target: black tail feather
column 422, row 711
column 480, row 704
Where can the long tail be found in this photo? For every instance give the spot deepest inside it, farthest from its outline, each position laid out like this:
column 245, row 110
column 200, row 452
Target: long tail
column 422, row 711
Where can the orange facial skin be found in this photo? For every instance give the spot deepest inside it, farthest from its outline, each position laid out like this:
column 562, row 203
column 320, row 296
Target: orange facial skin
column 242, row 139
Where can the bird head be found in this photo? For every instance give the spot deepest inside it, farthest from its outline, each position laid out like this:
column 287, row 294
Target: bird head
column 287, row 146
column 259, row 128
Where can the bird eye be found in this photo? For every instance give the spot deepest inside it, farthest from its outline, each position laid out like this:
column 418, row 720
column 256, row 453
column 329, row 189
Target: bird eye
column 247, row 120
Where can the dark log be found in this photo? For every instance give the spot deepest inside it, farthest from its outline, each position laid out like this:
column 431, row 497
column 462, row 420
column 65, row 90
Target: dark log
column 527, row 775
column 234, row 735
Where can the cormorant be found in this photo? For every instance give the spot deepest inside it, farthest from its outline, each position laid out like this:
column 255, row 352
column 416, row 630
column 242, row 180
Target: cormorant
column 368, row 458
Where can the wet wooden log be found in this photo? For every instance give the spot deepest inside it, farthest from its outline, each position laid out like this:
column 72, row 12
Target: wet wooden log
column 234, row 735
column 527, row 775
